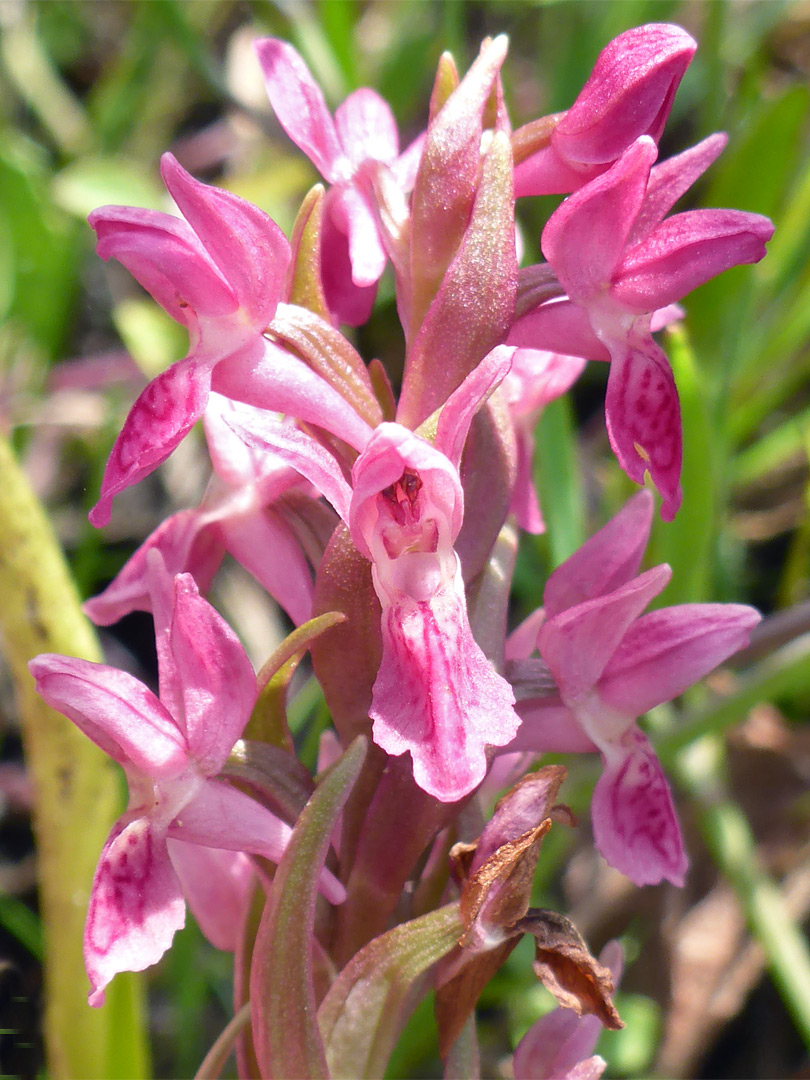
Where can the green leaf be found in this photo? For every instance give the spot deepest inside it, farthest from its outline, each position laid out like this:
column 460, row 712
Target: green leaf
column 366, row 1008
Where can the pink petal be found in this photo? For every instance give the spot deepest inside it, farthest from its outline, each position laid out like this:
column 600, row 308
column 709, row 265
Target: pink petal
column 406, row 166
column 628, row 94
column 267, row 548
column 585, row 237
column 115, row 710
column 348, row 302
column 667, row 651
column 538, row 377
column 437, row 696
column 215, row 680
column 608, row 560
column 634, row 822
column 273, row 379
column 299, row 104
column 221, row 816
column 300, row 451
column 458, row 411
column 160, row 419
column 136, row 905
column 578, row 643
column 352, row 216
column 643, row 416
column 558, row 326
column 685, row 251
column 671, row 179
column 549, row 727
column 522, row 642
column 164, row 255
column 366, row 128
column 547, row 173
column 185, row 545
column 525, row 505
column 246, row 245
column 216, row 885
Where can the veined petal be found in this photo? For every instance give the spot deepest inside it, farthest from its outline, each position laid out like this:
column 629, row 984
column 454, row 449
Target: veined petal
column 608, row 560
column 299, row 104
column 671, row 179
column 585, row 237
column 437, row 696
column 685, row 251
column 216, row 885
column 161, row 417
column 215, row 680
column 306, row 456
column 366, row 128
column 221, row 816
column 578, row 643
column 246, row 245
column 136, row 904
column 558, row 326
column 163, row 253
column 115, row 710
column 185, row 544
column 634, row 822
column 667, row 651
column 643, row 416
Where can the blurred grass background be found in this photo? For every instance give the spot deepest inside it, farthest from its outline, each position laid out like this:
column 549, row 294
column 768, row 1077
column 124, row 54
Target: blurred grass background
column 91, row 93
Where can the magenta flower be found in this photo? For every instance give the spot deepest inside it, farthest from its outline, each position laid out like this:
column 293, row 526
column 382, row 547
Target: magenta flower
column 629, row 93
column 436, row 695
column 219, row 271
column 610, row 664
column 243, row 513
column 620, row 261
column 181, row 822
column 347, row 151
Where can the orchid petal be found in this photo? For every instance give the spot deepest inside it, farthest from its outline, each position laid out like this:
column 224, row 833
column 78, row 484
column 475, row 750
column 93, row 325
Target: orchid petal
column 136, row 905
column 115, row 710
column 685, row 251
column 458, row 411
column 348, row 302
column 299, row 104
column 437, row 696
column 585, row 237
column 578, row 643
column 525, row 504
column 366, row 128
column 246, row 245
column 643, row 416
column 300, row 451
column 634, row 822
column 549, row 727
column 671, row 179
column 216, row 885
column 217, row 684
column 161, row 417
column 558, row 326
column 406, row 166
column 352, row 216
column 608, row 560
column 164, row 255
column 667, row 651
column 185, row 544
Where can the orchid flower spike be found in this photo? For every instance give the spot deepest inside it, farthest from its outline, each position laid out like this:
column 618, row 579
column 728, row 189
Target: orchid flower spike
column 347, row 151
column 220, row 271
column 181, row 822
column 611, row 664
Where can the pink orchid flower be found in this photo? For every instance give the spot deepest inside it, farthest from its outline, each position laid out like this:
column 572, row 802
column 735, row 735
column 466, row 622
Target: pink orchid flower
column 629, row 93
column 219, row 270
column 610, row 665
column 436, row 695
column 620, row 261
column 242, row 513
column 347, row 151
column 560, row 1045
column 536, row 378
column 182, row 823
